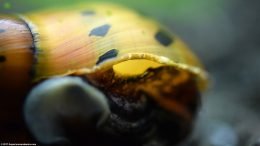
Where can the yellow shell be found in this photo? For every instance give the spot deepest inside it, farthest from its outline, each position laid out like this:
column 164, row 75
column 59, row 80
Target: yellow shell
column 126, row 56
column 86, row 38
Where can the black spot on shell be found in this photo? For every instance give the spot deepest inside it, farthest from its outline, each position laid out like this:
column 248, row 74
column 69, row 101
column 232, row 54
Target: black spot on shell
column 100, row 30
column 88, row 13
column 163, row 38
column 2, row 58
column 110, row 54
column 2, row 30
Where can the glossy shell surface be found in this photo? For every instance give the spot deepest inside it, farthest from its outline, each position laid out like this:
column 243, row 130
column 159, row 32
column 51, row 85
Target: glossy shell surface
column 84, row 39
column 145, row 72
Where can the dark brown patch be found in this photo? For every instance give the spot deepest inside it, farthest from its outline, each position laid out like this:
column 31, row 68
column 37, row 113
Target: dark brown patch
column 100, row 30
column 2, row 58
column 110, row 54
column 163, row 38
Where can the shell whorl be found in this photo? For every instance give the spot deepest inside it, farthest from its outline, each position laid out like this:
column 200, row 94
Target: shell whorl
column 16, row 54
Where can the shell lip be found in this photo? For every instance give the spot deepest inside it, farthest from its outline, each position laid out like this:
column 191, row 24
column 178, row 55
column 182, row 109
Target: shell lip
column 202, row 75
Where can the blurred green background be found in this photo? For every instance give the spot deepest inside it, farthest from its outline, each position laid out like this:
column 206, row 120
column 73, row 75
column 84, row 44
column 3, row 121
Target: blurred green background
column 165, row 8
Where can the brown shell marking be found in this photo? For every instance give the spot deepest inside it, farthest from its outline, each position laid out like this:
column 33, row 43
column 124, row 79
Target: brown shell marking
column 16, row 55
column 2, row 59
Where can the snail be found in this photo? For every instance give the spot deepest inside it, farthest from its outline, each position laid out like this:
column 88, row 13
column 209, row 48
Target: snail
column 101, row 71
